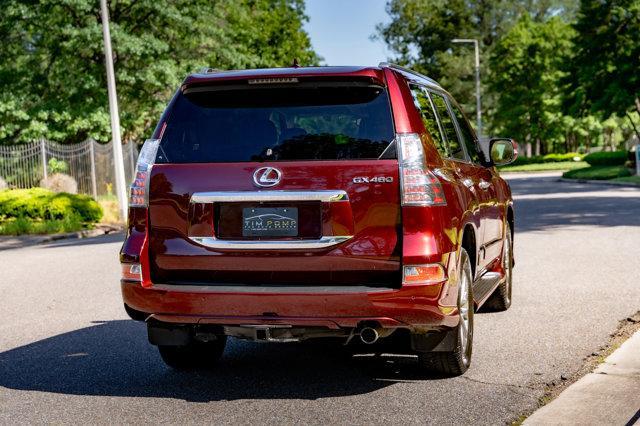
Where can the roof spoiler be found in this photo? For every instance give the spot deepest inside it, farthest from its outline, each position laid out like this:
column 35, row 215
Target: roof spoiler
column 407, row 70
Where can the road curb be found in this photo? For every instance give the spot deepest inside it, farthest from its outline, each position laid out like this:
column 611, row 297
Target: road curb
column 7, row 243
column 599, row 182
column 608, row 395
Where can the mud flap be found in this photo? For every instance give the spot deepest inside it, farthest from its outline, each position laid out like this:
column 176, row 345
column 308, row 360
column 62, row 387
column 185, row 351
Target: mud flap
column 168, row 334
column 435, row 341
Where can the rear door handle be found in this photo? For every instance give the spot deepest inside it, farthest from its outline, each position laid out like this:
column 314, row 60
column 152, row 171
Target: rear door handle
column 484, row 185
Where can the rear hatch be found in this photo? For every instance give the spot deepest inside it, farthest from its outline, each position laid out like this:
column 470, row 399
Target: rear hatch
column 277, row 182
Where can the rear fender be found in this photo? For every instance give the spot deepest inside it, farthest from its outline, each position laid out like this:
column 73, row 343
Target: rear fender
column 449, row 296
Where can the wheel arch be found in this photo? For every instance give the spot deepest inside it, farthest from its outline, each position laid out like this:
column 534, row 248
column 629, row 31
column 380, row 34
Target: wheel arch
column 511, row 219
column 468, row 241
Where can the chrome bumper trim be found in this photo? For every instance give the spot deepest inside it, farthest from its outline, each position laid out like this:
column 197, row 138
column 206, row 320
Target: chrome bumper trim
column 276, row 289
column 240, row 196
column 323, row 242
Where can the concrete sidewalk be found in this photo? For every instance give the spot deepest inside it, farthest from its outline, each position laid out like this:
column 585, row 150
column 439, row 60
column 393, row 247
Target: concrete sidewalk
column 608, row 396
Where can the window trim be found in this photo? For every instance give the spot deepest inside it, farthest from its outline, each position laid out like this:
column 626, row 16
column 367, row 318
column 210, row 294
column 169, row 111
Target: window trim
column 437, row 117
column 445, row 96
column 452, row 102
column 443, row 137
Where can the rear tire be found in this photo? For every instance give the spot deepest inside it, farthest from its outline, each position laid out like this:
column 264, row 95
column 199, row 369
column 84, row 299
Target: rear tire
column 195, row 355
column 456, row 362
column 500, row 300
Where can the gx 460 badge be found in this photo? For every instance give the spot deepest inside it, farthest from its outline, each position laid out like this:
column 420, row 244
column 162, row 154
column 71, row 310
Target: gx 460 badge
column 376, row 179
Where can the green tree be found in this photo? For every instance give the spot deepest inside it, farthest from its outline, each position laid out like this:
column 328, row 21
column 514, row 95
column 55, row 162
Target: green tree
column 605, row 68
column 420, row 32
column 52, row 75
column 527, row 71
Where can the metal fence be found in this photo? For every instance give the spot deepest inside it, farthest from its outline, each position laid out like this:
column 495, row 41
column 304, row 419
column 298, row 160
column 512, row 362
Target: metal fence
column 89, row 163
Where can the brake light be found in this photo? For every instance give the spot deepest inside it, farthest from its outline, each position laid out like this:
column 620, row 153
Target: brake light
column 139, row 193
column 132, row 272
column 418, row 185
column 423, row 274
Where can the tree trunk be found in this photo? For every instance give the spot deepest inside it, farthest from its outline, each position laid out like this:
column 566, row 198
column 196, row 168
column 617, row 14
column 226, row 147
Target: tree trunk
column 635, row 129
column 537, row 146
column 612, row 141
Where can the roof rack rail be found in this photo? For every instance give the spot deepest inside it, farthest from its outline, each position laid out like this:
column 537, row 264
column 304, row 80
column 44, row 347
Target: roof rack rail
column 208, row 70
column 407, row 70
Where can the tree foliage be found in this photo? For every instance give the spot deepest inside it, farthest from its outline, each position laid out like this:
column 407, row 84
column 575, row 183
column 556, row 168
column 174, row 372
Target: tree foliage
column 607, row 61
column 52, row 74
column 560, row 74
column 526, row 73
column 420, row 33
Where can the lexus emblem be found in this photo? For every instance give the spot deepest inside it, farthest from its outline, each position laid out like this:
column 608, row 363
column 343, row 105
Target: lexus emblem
column 267, row 176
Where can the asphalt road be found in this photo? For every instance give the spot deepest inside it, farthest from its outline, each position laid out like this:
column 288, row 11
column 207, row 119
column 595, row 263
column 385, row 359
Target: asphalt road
column 68, row 353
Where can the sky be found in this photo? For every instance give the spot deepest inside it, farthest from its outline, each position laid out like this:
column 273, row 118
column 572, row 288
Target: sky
column 340, row 31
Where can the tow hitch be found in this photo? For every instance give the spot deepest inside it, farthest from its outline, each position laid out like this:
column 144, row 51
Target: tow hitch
column 262, row 332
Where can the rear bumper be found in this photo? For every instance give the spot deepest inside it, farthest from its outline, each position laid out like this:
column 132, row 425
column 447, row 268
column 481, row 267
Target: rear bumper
column 417, row 308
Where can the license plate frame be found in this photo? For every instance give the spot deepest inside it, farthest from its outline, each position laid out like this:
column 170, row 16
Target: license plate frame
column 270, row 222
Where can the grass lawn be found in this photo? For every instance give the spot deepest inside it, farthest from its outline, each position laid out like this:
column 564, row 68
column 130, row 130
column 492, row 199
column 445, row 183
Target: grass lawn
column 598, row 173
column 628, row 179
column 21, row 226
column 539, row 167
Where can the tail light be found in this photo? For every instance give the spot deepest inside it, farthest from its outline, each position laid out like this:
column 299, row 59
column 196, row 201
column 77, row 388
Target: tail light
column 139, row 195
column 423, row 274
column 131, row 272
column 418, row 185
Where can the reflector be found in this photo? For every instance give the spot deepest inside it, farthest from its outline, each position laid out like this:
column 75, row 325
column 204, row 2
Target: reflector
column 131, row 272
column 423, row 274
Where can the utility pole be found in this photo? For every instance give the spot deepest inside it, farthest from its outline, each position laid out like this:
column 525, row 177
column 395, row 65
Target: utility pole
column 477, row 69
column 118, row 160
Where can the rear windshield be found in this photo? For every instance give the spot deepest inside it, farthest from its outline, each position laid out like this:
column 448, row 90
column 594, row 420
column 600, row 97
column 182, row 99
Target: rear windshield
column 301, row 122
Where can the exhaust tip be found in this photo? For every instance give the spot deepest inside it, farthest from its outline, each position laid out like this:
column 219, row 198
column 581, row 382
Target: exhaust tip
column 369, row 335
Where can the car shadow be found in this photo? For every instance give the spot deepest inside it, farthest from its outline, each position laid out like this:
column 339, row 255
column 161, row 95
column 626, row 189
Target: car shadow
column 115, row 237
column 546, row 185
column 547, row 214
column 113, row 358
column 543, row 203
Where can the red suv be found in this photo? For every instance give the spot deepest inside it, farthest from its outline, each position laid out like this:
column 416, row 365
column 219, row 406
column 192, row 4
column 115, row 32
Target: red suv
column 288, row 204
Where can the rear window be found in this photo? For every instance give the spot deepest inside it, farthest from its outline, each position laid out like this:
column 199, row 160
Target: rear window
column 301, row 122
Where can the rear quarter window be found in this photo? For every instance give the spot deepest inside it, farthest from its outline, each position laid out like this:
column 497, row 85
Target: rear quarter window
column 467, row 134
column 454, row 146
column 428, row 115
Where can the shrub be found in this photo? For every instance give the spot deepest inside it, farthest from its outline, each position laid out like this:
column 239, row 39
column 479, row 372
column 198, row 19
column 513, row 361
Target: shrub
column 42, row 204
column 549, row 158
column 616, row 158
column 21, row 225
column 569, row 156
column 59, row 182
column 3, row 184
column 57, row 166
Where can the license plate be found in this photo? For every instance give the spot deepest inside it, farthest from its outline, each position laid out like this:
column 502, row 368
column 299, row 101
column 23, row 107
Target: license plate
column 270, row 222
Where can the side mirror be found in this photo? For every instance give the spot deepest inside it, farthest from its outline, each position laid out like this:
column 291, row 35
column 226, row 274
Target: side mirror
column 503, row 151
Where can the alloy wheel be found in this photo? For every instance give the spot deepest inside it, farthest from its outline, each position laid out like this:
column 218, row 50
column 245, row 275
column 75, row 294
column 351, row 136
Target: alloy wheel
column 465, row 306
